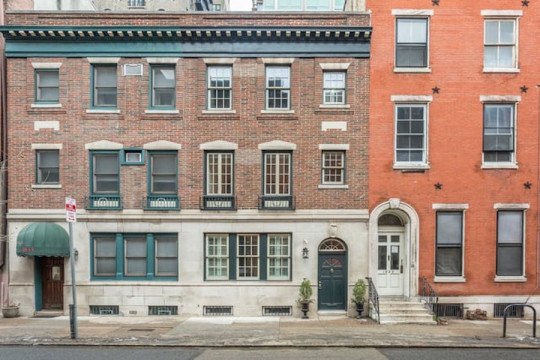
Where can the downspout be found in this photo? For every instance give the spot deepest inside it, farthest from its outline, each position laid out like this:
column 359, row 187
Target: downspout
column 3, row 166
column 538, row 196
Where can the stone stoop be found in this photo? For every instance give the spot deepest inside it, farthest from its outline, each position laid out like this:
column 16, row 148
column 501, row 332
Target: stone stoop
column 404, row 312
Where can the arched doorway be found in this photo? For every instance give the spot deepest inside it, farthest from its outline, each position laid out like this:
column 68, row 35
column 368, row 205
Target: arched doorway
column 393, row 255
column 332, row 294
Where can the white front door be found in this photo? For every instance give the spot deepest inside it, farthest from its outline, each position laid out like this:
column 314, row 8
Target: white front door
column 390, row 264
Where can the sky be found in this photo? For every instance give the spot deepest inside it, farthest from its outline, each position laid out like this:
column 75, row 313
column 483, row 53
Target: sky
column 241, row 5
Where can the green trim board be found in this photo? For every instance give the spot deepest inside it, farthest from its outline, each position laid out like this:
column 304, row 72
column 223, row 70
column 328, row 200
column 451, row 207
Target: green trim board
column 43, row 239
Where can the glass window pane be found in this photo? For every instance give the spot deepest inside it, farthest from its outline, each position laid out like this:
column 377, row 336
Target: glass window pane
column 449, row 261
column 135, row 267
column 411, row 30
column 492, row 32
column 510, row 227
column 449, row 227
column 164, row 77
column 105, row 247
column 382, row 257
column 507, row 32
column 510, row 261
column 48, row 94
column 105, row 266
column 164, row 164
column 105, row 76
column 167, row 266
column 47, row 78
column 167, row 247
column 48, row 158
column 136, row 247
column 106, row 164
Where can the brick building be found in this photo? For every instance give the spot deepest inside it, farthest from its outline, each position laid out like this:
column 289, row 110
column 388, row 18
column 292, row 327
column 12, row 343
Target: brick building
column 217, row 160
column 454, row 106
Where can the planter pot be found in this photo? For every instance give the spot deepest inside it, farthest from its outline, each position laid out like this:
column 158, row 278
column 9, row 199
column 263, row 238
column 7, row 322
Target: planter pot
column 359, row 309
column 10, row 311
column 305, row 309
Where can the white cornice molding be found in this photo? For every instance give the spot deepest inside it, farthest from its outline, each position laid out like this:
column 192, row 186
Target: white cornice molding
column 333, row 146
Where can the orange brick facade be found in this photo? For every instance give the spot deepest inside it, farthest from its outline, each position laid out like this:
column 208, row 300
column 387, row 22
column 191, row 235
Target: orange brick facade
column 454, row 136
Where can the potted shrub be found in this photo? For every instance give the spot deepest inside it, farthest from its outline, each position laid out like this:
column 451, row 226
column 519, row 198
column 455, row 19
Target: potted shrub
column 304, row 298
column 11, row 310
column 359, row 293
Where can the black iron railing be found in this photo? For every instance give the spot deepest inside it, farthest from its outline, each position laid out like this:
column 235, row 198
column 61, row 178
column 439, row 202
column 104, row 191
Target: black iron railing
column 373, row 299
column 428, row 295
column 218, row 202
column 276, row 202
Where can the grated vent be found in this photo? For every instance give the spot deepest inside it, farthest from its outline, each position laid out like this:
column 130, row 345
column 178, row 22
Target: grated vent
column 277, row 310
column 448, row 310
column 104, row 309
column 217, row 310
column 513, row 312
column 163, row 310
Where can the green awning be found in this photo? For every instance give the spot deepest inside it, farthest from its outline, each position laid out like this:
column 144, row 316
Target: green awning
column 43, row 239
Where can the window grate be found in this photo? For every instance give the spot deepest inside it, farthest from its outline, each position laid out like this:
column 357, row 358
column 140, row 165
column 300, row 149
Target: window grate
column 104, row 310
column 163, row 310
column 448, row 310
column 217, row 310
column 513, row 312
column 277, row 310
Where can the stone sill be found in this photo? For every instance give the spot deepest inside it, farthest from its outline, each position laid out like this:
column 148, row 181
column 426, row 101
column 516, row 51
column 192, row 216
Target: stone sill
column 499, row 166
column 329, row 186
column 501, row 70
column 510, row 279
column 418, row 70
column 48, row 186
column 449, row 279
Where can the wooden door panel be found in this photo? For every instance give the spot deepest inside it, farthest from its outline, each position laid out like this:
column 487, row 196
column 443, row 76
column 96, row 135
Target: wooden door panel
column 52, row 275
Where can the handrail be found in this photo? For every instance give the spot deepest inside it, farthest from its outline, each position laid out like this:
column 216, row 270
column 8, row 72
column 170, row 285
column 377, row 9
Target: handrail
column 505, row 314
column 373, row 298
column 428, row 295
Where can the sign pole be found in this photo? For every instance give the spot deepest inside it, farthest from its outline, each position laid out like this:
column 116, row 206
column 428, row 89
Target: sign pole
column 71, row 217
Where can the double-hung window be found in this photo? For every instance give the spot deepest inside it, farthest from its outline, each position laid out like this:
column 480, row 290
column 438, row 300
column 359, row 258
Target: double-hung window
column 47, row 167
column 510, row 242
column 163, row 87
column 163, row 173
column 219, row 87
column 104, row 86
column 333, row 167
column 134, row 256
column 106, row 173
column 499, row 129
column 219, row 185
column 449, row 251
column 47, row 86
column 500, row 40
column 334, row 88
column 248, row 256
column 278, row 87
column 411, row 142
column 411, row 42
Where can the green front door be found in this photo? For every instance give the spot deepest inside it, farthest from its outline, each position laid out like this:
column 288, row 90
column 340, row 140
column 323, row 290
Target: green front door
column 332, row 281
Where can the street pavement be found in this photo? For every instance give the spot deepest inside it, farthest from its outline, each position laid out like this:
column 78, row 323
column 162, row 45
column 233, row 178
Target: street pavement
column 264, row 332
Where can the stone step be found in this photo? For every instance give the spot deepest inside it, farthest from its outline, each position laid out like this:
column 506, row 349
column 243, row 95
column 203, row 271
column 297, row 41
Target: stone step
column 408, row 321
column 404, row 311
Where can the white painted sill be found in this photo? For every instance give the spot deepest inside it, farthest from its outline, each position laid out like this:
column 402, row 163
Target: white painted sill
column 49, row 186
column 102, row 111
column 412, row 70
column 411, row 166
column 277, row 111
column 449, row 279
column 224, row 111
column 161, row 111
column 501, row 70
column 45, row 106
column 503, row 166
column 329, row 186
column 334, row 106
column 510, row 279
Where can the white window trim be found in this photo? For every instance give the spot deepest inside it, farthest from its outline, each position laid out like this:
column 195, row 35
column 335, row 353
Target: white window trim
column 268, row 257
column 210, row 109
column 509, row 206
column 503, row 15
column 411, row 98
column 46, row 146
column 418, row 165
column 331, row 186
column 219, row 174
column 46, row 65
column 450, row 279
column 248, row 256
column 212, row 278
column 44, row 186
column 420, row 14
column 340, row 149
column 345, row 90
column 510, row 278
column 277, row 111
column 330, row 147
column 334, row 66
column 218, row 111
column 452, row 208
column 277, row 173
column 46, row 106
column 334, row 106
column 514, row 207
column 161, row 111
column 510, row 165
column 102, row 111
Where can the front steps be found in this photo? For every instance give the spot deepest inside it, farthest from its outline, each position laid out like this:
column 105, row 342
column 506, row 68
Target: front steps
column 404, row 312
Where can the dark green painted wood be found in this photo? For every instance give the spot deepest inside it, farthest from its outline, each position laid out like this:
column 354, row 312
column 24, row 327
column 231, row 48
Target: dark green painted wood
column 332, row 281
column 263, row 257
column 38, row 284
column 232, row 256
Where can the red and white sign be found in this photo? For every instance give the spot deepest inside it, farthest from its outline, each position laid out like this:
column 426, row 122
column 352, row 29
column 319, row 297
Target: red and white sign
column 71, row 209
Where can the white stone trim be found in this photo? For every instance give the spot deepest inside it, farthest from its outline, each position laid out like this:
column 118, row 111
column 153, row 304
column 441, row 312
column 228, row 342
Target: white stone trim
column 162, row 145
column 501, row 166
column 517, row 206
column 277, row 60
column 501, row 70
column 46, row 146
column 510, row 278
column 103, row 60
column 219, row 61
column 102, row 111
column 333, row 146
column 334, row 106
column 46, row 106
column 277, row 111
column 161, row 111
column 412, row 70
column 500, row 98
column 277, row 145
column 46, row 65
column 52, row 124
column 411, row 98
column 501, row 13
column 103, row 145
column 328, row 186
column 219, row 111
column 49, row 186
column 411, row 166
column 333, row 125
column 219, row 145
column 450, row 206
column 334, row 66
column 412, row 12
column 161, row 60
column 449, row 279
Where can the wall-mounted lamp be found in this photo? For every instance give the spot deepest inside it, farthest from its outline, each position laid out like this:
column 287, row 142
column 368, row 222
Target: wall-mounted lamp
column 76, row 254
column 305, row 253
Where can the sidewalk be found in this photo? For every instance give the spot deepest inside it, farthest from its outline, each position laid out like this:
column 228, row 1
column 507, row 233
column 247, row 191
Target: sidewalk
column 264, row 332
